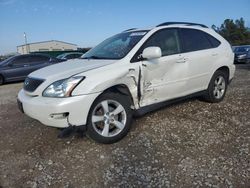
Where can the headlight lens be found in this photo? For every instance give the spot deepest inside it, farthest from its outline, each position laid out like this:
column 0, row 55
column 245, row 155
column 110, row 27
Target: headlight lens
column 242, row 56
column 62, row 88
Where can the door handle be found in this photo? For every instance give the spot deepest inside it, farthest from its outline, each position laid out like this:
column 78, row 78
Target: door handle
column 182, row 60
column 215, row 54
column 26, row 65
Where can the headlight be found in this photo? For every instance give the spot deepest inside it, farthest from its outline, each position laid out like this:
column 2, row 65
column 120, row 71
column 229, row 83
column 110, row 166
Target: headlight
column 62, row 88
column 242, row 56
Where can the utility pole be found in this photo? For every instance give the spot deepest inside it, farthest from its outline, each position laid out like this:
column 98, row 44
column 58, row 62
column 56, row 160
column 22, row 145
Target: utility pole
column 25, row 40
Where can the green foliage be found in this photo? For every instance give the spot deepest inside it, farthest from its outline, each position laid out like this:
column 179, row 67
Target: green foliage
column 235, row 32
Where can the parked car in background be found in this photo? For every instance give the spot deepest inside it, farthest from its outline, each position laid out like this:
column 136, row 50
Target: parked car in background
column 135, row 71
column 242, row 54
column 16, row 68
column 70, row 55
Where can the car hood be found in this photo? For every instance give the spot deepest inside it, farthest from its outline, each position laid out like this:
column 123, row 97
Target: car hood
column 69, row 68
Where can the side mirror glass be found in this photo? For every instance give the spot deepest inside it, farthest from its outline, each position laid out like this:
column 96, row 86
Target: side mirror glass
column 152, row 52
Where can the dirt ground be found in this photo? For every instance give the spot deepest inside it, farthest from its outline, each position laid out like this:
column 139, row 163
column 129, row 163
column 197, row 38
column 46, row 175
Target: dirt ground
column 189, row 144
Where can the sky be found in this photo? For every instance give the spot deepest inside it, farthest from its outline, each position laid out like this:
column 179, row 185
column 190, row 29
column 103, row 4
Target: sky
column 87, row 23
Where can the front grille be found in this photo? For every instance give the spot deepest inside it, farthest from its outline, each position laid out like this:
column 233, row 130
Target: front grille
column 30, row 84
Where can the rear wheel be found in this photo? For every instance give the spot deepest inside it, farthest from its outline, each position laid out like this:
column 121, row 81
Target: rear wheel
column 217, row 87
column 109, row 119
column 1, row 80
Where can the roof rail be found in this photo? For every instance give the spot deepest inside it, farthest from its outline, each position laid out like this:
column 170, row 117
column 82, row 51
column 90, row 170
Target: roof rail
column 129, row 29
column 184, row 23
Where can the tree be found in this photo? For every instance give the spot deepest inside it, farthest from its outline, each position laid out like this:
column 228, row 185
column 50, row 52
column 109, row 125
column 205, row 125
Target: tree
column 235, row 32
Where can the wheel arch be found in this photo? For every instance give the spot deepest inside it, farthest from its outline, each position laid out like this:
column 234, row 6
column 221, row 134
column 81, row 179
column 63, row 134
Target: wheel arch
column 121, row 89
column 226, row 70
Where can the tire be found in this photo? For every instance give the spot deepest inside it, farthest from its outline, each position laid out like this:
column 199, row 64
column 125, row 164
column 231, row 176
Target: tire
column 109, row 118
column 217, row 87
column 1, row 80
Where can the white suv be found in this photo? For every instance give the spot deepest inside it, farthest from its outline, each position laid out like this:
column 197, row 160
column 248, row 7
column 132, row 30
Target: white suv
column 134, row 71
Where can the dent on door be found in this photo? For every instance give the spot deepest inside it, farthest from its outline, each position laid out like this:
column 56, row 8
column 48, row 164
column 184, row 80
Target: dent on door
column 162, row 79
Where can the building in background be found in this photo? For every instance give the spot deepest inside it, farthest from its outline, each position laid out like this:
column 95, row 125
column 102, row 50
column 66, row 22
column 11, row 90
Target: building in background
column 46, row 46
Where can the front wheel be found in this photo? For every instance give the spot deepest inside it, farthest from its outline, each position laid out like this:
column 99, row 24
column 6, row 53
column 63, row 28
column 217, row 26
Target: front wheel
column 109, row 119
column 217, row 87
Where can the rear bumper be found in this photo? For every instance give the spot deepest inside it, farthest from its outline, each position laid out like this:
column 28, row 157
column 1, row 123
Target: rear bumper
column 231, row 71
column 46, row 109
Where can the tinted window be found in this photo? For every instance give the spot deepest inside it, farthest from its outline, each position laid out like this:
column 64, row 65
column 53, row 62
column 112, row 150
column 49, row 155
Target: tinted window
column 70, row 56
column 166, row 39
column 78, row 55
column 38, row 59
column 21, row 60
column 215, row 43
column 194, row 40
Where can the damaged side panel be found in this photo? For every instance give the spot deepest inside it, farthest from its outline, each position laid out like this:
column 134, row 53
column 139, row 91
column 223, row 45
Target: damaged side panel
column 123, row 76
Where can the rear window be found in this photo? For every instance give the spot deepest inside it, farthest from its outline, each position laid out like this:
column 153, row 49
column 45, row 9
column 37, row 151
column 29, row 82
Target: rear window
column 194, row 40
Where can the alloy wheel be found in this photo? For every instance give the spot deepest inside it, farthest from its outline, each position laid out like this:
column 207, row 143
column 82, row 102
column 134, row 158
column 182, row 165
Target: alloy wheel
column 219, row 87
column 108, row 118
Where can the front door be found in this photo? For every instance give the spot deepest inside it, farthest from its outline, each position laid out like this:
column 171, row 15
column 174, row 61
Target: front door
column 19, row 68
column 163, row 78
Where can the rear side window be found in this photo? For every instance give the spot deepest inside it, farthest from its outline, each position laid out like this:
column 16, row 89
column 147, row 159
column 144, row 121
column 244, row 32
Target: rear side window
column 38, row 59
column 194, row 40
column 215, row 43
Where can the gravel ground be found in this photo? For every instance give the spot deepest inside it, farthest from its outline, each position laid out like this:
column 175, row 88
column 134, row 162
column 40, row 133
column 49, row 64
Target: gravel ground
column 189, row 144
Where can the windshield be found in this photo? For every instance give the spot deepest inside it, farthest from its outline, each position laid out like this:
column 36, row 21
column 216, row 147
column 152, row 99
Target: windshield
column 242, row 49
column 60, row 56
column 6, row 60
column 115, row 47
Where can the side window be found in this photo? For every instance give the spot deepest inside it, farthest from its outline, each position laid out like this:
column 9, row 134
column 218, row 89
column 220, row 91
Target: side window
column 38, row 59
column 44, row 58
column 20, row 60
column 194, row 40
column 77, row 55
column 215, row 43
column 166, row 39
column 70, row 56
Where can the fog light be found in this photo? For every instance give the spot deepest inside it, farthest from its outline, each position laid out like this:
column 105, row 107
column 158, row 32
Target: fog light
column 59, row 115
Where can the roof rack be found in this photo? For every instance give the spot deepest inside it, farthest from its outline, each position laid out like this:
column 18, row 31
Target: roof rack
column 129, row 29
column 184, row 23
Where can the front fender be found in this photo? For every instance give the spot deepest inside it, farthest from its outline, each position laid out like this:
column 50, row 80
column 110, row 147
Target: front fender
column 99, row 81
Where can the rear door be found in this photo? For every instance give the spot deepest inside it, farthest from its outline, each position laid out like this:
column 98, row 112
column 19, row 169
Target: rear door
column 199, row 54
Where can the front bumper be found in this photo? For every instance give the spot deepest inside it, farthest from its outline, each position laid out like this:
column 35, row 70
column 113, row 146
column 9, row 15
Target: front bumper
column 44, row 109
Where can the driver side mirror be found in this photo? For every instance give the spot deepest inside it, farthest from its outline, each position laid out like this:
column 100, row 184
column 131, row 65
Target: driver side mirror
column 153, row 52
